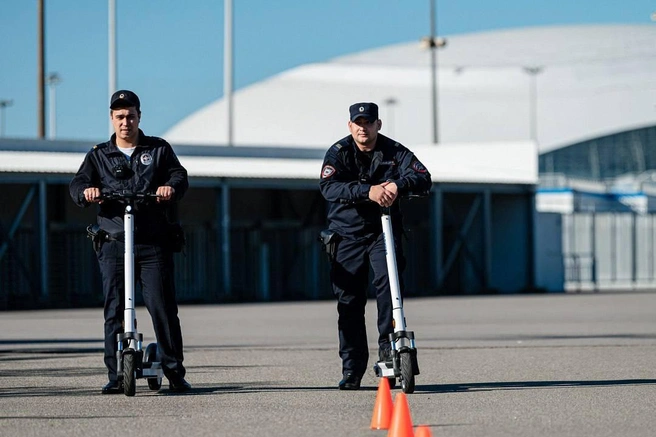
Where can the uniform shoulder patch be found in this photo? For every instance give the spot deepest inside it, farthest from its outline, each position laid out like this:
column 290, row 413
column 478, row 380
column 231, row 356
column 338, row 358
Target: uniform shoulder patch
column 418, row 167
column 327, row 172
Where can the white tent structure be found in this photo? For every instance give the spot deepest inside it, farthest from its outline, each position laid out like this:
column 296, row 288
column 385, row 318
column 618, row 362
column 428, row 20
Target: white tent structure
column 592, row 80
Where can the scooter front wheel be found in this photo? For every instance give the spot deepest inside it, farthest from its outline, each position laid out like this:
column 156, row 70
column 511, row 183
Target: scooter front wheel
column 129, row 373
column 407, row 375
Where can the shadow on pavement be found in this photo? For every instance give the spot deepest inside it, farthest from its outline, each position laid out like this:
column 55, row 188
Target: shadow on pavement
column 40, row 346
column 142, row 390
column 260, row 387
column 248, row 388
column 51, row 340
column 51, row 372
column 522, row 385
column 527, row 338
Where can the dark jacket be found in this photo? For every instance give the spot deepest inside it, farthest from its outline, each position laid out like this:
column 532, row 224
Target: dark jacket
column 347, row 174
column 153, row 164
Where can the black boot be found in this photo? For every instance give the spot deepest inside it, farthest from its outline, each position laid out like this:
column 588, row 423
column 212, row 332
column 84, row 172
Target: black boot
column 112, row 388
column 350, row 382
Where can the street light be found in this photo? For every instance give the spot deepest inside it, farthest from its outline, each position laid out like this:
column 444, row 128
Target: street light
column 438, row 42
column 433, row 44
column 389, row 105
column 52, row 80
column 112, row 69
column 533, row 100
column 228, row 69
column 533, row 110
column 4, row 103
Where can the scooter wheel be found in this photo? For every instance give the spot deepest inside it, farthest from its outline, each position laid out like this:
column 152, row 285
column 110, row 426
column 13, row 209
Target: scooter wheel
column 150, row 356
column 129, row 373
column 407, row 376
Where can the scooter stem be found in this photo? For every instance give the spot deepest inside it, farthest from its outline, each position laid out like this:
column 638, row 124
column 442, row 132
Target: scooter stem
column 392, row 272
column 128, row 227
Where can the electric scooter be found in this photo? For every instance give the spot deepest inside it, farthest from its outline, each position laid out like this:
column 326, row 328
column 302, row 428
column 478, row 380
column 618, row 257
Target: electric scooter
column 403, row 361
column 132, row 361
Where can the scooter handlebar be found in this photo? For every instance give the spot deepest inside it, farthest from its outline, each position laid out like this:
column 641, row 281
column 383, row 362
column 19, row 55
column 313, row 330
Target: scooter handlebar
column 126, row 196
column 410, row 195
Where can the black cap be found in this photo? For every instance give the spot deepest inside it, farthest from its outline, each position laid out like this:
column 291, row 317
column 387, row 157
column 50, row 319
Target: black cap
column 365, row 109
column 124, row 99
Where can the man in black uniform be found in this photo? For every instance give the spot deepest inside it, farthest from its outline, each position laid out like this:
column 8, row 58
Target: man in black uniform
column 134, row 162
column 361, row 173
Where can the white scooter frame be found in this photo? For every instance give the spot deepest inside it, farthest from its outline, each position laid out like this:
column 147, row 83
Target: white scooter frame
column 403, row 363
column 132, row 362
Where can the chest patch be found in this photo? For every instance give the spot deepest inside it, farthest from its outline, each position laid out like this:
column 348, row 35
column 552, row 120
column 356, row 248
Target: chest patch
column 146, row 158
column 327, row 171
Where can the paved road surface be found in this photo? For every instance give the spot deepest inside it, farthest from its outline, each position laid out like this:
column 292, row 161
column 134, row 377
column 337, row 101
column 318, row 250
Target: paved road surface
column 540, row 365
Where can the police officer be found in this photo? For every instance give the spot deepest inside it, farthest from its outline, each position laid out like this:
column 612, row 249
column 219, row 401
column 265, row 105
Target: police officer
column 361, row 173
column 134, row 162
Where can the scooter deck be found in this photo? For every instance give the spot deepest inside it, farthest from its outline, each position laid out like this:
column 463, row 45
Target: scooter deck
column 384, row 369
column 153, row 369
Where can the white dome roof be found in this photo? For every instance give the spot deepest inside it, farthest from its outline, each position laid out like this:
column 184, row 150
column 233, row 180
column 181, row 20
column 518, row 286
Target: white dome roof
column 595, row 80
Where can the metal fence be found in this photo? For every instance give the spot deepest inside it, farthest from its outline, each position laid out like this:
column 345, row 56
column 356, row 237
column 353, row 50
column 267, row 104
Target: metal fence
column 612, row 251
column 270, row 262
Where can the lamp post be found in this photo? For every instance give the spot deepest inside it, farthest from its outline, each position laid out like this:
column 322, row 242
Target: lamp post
column 389, row 105
column 533, row 100
column 433, row 52
column 111, row 52
column 52, row 80
column 41, row 61
column 4, row 103
column 228, row 71
column 433, row 44
column 533, row 110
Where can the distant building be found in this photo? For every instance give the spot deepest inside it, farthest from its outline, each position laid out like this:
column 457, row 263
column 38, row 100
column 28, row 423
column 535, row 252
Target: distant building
column 585, row 93
column 575, row 102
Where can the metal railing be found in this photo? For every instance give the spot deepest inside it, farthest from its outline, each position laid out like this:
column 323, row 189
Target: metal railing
column 609, row 251
column 269, row 262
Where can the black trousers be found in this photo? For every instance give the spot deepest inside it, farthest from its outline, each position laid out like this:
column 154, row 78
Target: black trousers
column 153, row 269
column 350, row 279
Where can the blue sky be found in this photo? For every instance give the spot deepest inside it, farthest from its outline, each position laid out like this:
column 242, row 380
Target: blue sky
column 171, row 52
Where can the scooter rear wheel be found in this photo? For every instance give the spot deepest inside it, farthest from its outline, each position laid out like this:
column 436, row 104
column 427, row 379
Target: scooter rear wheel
column 407, row 376
column 150, row 356
column 129, row 373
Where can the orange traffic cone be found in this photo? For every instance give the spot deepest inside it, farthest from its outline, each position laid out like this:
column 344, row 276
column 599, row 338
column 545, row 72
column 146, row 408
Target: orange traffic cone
column 383, row 406
column 423, row 431
column 401, row 424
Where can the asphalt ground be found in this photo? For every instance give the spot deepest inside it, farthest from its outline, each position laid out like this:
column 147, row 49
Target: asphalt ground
column 534, row 365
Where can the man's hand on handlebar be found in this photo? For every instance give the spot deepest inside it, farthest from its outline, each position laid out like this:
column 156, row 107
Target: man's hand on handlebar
column 384, row 194
column 165, row 193
column 92, row 195
column 391, row 187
